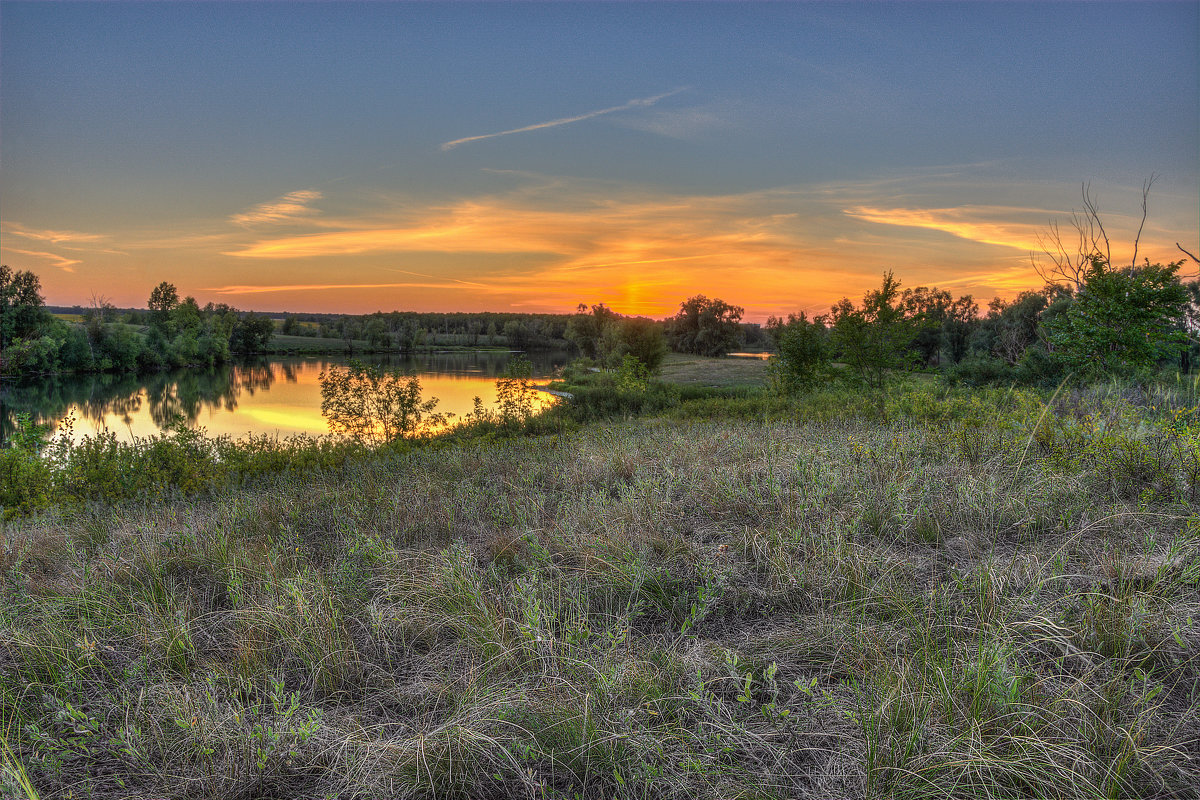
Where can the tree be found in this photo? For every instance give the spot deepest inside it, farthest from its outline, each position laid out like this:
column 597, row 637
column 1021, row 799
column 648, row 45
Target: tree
column 705, row 327
column 1122, row 320
column 163, row 299
column 874, row 340
column 1069, row 264
column 251, row 333
column 643, row 339
column 376, row 333
column 515, row 393
column 22, row 309
column 585, row 329
column 962, row 318
column 517, row 334
column 374, row 406
column 804, row 351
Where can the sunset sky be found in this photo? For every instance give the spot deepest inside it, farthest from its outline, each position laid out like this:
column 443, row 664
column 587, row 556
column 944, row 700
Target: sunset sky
column 452, row 156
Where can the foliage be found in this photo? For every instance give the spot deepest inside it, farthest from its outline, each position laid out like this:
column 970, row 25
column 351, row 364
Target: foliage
column 1122, row 320
column 22, row 308
column 374, row 406
column 803, row 352
column 515, row 393
column 705, row 327
column 873, row 339
column 164, row 298
column 25, row 477
column 605, row 336
column 585, row 329
column 634, row 337
column 180, row 333
column 941, row 323
column 251, row 333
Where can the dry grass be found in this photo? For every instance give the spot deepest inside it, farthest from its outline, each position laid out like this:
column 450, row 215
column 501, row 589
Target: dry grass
column 648, row 609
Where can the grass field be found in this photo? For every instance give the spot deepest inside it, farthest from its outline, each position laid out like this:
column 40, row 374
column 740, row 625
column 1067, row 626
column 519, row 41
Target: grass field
column 281, row 343
column 689, row 370
column 989, row 596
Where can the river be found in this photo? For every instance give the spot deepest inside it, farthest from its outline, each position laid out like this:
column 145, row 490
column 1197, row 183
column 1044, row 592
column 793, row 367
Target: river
column 276, row 396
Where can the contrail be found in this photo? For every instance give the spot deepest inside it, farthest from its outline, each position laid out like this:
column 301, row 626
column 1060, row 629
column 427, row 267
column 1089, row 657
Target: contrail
column 640, row 102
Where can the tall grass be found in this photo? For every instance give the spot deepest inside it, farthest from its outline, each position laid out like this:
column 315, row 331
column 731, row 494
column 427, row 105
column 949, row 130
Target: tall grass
column 773, row 598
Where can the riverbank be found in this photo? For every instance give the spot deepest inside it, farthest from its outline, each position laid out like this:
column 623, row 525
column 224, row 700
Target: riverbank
column 984, row 596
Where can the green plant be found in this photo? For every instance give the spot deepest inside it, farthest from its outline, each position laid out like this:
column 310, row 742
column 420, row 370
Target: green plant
column 375, row 406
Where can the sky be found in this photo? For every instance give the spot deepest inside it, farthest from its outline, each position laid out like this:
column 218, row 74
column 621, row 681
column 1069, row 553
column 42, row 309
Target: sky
column 360, row 157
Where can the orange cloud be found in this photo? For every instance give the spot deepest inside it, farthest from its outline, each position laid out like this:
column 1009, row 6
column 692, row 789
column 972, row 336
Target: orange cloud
column 65, row 264
column 958, row 222
column 282, row 209
column 322, row 287
column 52, row 236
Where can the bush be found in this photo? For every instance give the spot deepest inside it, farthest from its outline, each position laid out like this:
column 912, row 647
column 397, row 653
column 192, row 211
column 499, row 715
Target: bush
column 375, row 406
column 804, row 353
column 26, row 481
column 628, row 391
column 979, row 371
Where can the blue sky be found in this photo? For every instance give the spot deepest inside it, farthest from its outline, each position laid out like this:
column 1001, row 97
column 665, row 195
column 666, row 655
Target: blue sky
column 455, row 156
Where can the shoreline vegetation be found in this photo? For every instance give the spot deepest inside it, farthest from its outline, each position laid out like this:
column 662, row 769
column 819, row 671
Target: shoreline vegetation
column 682, row 587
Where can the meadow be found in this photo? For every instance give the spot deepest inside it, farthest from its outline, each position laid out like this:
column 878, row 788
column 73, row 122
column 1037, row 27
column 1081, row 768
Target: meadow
column 704, row 589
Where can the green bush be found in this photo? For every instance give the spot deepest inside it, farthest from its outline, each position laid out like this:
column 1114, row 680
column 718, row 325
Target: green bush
column 375, row 406
column 26, row 481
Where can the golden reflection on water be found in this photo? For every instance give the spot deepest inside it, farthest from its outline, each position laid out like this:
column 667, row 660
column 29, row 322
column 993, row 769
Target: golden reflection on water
column 286, row 403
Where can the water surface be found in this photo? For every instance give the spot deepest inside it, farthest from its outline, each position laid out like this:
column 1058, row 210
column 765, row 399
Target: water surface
column 278, row 396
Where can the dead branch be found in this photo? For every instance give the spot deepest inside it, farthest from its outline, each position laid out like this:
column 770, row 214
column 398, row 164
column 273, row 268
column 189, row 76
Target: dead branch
column 1145, row 207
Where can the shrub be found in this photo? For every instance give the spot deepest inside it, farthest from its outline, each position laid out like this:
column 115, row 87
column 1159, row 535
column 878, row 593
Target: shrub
column 26, row 481
column 375, row 406
column 804, row 353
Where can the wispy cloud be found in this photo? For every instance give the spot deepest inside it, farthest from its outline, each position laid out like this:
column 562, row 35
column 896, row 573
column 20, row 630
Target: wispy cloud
column 640, row 102
column 976, row 224
column 287, row 208
column 52, row 236
column 65, row 264
column 323, row 287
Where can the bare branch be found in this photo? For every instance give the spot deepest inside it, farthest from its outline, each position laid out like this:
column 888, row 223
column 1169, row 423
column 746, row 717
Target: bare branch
column 1186, row 253
column 1145, row 207
column 1094, row 223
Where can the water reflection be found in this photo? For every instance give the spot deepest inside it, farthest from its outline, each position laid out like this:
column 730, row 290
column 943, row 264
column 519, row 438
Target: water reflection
column 267, row 396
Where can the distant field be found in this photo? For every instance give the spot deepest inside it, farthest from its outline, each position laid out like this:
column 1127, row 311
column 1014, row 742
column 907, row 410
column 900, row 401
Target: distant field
column 717, row 372
column 311, row 343
column 69, row 317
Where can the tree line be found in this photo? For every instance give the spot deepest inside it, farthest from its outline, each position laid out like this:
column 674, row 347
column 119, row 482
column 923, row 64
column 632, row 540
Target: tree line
column 170, row 333
column 1110, row 321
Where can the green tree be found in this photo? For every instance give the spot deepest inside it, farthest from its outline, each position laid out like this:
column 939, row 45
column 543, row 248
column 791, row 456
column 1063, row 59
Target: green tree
column 586, row 328
column 376, row 333
column 515, row 393
column 643, row 339
column 804, row 351
column 874, row 340
column 251, row 333
column 163, row 300
column 22, row 309
column 374, row 406
column 706, row 327
column 1122, row 320
column 962, row 318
